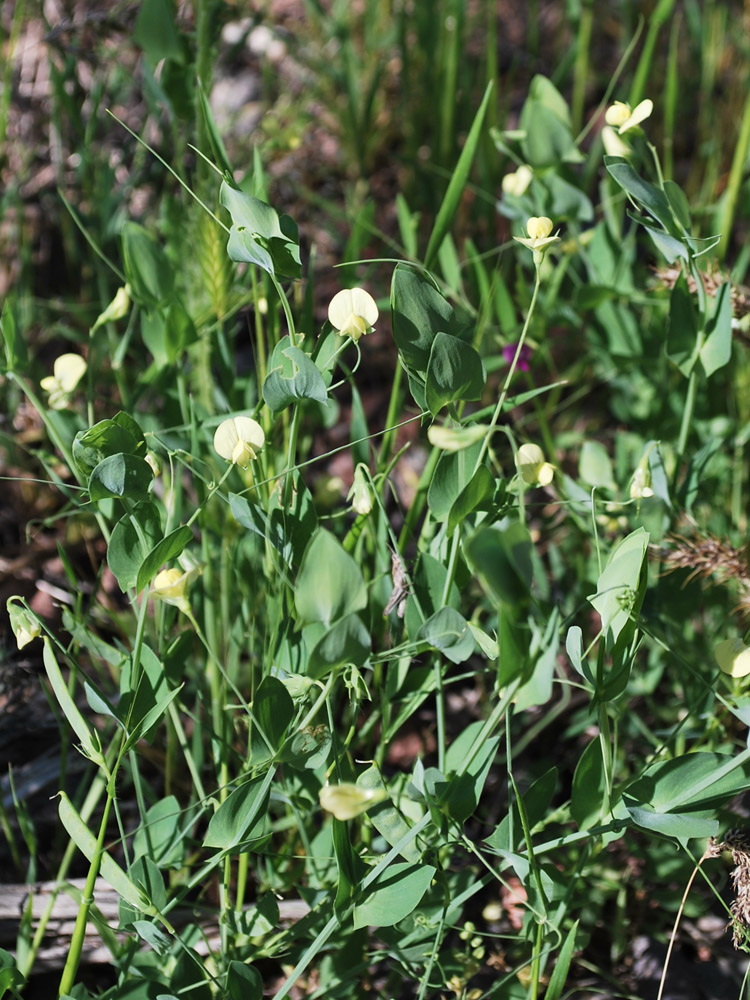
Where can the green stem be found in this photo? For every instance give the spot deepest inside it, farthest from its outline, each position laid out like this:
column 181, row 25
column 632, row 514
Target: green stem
column 687, row 415
column 79, row 931
column 390, row 420
column 511, row 371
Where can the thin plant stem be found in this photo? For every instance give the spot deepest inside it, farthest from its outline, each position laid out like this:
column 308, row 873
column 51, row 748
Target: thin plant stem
column 79, row 931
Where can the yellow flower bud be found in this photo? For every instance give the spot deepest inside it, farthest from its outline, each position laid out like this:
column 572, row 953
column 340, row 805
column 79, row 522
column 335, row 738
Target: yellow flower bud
column 24, row 623
column 532, row 467
column 117, row 309
column 361, row 493
column 733, row 657
column 538, row 229
column 170, row 586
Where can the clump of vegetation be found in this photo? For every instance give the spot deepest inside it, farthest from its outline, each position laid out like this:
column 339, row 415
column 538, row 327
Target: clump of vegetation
column 409, row 656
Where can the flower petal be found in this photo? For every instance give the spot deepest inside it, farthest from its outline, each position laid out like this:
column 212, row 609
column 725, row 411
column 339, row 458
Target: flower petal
column 351, row 304
column 617, row 114
column 639, row 114
column 69, row 369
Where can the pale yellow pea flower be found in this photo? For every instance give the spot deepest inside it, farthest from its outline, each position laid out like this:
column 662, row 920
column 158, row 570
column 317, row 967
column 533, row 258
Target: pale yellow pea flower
column 24, row 624
column 640, row 487
column 620, row 116
column 538, row 230
column 347, row 800
column 238, row 440
column 517, row 182
column 613, row 144
column 68, row 370
column 171, row 585
column 117, row 309
column 353, row 312
column 532, row 467
column 733, row 657
column 360, row 494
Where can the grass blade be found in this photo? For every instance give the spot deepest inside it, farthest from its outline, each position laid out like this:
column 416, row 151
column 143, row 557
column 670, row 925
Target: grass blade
column 457, row 182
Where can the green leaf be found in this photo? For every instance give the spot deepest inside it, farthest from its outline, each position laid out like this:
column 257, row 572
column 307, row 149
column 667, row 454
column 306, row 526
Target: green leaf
column 618, row 593
column 454, row 372
column 546, row 133
column 486, row 643
column 15, row 346
column 589, row 786
column 694, row 781
column 133, row 537
column 682, row 332
column 646, row 195
column 350, row 867
column 167, row 332
column 147, row 268
column 448, row 631
column 89, row 738
column 454, row 473
column 717, row 350
column 595, row 465
column 308, row 749
column 121, row 476
column 120, row 435
column 537, row 690
column 549, row 140
column 480, row 487
column 566, row 201
column 670, row 247
column 147, row 877
column 396, row 893
column 218, row 150
column 160, row 836
column 241, row 817
column 348, row 641
column 457, row 183
column 560, row 973
column 259, row 235
column 503, row 557
column 287, row 530
column 156, row 32
column 273, row 710
column 512, row 645
column 330, row 585
column 678, row 203
column 386, row 818
column 243, row 982
column 292, row 376
column 110, row 871
column 167, row 549
column 10, row 976
column 679, row 798
column 467, row 771
column 418, row 313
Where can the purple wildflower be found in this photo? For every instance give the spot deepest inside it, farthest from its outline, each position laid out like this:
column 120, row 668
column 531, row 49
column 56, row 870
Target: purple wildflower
column 509, row 352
